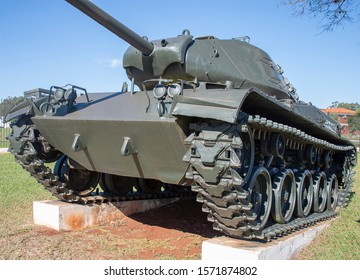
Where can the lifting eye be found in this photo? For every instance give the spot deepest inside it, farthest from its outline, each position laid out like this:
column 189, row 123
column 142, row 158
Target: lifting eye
column 164, row 43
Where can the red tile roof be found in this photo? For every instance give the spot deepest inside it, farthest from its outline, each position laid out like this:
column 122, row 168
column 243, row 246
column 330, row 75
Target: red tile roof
column 339, row 111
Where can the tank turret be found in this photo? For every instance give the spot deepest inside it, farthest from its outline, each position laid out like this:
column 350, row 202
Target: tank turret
column 206, row 59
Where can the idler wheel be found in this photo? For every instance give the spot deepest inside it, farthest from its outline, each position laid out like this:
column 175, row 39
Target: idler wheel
column 320, row 192
column 310, row 154
column 333, row 192
column 83, row 182
column 304, row 193
column 284, row 196
column 277, row 145
column 150, row 185
column 327, row 158
column 119, row 185
column 260, row 196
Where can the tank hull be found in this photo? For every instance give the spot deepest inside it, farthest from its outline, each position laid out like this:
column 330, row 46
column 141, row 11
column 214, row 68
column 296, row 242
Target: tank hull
column 102, row 126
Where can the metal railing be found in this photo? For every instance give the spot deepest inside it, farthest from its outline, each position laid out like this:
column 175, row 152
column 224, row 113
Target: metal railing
column 4, row 132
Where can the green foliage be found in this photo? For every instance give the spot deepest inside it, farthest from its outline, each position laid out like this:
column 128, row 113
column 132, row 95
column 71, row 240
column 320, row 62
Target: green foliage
column 334, row 117
column 350, row 106
column 354, row 122
column 8, row 103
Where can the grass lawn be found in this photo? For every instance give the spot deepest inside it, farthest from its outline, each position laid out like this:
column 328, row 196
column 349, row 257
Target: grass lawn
column 17, row 192
column 17, row 231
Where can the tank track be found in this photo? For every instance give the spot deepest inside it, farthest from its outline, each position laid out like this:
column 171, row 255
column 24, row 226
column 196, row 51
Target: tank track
column 222, row 161
column 221, row 175
column 26, row 146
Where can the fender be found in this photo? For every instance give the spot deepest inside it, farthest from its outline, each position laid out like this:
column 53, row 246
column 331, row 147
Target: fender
column 26, row 107
column 228, row 104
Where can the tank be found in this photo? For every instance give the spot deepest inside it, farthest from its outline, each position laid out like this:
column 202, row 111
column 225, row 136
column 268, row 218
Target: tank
column 212, row 118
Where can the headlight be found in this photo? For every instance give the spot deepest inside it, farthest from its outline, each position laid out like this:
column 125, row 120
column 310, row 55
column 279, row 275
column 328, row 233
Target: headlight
column 174, row 89
column 59, row 94
column 159, row 91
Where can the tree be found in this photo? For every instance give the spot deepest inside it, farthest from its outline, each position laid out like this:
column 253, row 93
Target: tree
column 8, row 103
column 354, row 121
column 351, row 106
column 332, row 13
column 334, row 104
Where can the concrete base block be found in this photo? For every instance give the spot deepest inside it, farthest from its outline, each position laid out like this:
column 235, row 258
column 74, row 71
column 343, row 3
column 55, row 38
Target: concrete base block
column 61, row 215
column 285, row 248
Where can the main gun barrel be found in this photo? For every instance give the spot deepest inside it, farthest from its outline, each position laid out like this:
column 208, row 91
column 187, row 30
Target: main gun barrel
column 113, row 25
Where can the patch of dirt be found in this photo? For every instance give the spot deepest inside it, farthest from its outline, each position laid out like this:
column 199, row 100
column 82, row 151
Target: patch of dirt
column 174, row 231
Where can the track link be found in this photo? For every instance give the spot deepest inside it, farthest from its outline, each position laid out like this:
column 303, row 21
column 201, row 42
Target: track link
column 223, row 180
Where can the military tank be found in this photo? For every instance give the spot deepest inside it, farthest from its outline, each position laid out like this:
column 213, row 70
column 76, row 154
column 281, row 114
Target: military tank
column 213, row 116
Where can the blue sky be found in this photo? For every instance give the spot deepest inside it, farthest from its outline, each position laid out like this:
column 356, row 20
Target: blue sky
column 49, row 42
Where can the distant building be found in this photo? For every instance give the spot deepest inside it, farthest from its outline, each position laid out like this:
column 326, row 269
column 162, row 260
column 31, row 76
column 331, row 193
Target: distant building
column 342, row 115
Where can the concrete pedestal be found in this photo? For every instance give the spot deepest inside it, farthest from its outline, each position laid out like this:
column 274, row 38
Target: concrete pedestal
column 285, row 248
column 61, row 215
